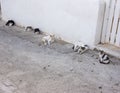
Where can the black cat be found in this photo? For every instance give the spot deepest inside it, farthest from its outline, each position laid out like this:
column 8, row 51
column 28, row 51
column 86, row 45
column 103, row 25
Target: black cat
column 10, row 23
column 37, row 30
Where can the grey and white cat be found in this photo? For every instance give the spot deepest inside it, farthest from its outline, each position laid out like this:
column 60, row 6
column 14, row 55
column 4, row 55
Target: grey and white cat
column 80, row 47
column 103, row 57
column 10, row 23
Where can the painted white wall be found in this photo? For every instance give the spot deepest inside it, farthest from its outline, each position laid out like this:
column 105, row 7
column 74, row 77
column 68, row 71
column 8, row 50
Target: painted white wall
column 72, row 20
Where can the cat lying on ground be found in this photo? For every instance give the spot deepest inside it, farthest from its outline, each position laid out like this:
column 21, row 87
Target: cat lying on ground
column 37, row 30
column 29, row 28
column 80, row 47
column 48, row 40
column 103, row 57
column 10, row 23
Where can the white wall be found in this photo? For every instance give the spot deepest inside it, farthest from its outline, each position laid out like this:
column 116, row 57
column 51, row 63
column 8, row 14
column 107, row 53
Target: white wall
column 73, row 20
column 100, row 22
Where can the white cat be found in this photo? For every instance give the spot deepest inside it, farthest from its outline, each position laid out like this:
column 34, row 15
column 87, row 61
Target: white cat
column 103, row 58
column 80, row 47
column 47, row 40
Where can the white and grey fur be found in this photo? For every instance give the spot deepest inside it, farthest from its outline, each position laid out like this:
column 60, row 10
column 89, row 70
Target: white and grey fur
column 10, row 23
column 29, row 28
column 103, row 57
column 80, row 47
column 48, row 40
column 83, row 49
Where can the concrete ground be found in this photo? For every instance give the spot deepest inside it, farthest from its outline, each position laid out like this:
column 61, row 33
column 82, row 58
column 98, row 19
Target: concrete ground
column 28, row 67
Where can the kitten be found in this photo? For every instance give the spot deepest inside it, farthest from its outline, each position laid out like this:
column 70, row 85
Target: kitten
column 47, row 40
column 103, row 58
column 80, row 47
column 76, row 46
column 29, row 28
column 37, row 30
column 83, row 49
column 10, row 23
